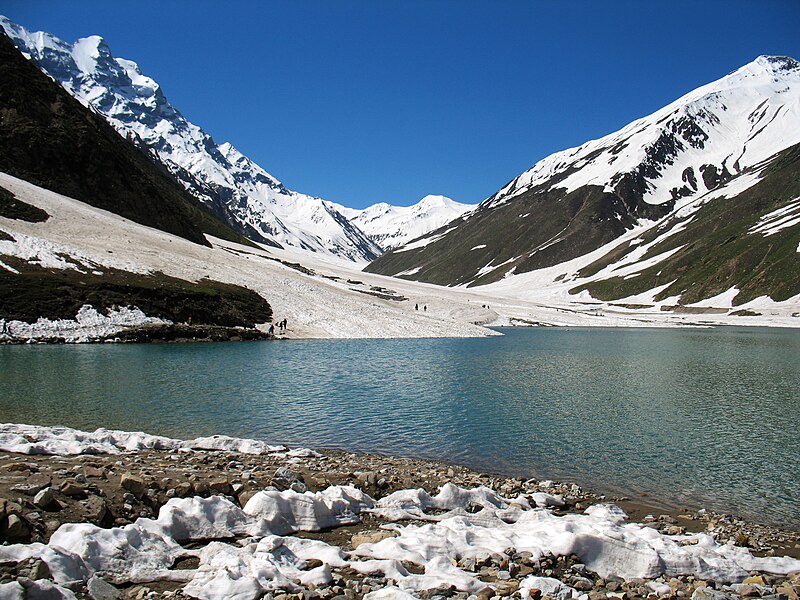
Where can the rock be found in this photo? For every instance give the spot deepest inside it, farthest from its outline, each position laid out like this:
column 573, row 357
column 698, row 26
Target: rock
column 370, row 537
column 39, row 570
column 100, row 589
column 790, row 591
column 21, row 467
column 135, row 485
column 534, row 594
column 245, row 496
column 219, row 487
column 30, row 489
column 90, row 471
column 582, row 584
column 506, row 588
column 748, row 591
column 17, row 528
column 758, row 580
column 96, row 509
column 706, row 593
column 299, row 487
column 184, row 489
column 73, row 490
column 45, row 498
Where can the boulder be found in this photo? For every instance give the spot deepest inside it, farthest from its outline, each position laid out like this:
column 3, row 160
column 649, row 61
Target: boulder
column 135, row 485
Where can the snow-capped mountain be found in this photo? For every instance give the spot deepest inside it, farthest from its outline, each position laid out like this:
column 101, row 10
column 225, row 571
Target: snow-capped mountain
column 708, row 167
column 247, row 197
column 392, row 226
column 707, row 136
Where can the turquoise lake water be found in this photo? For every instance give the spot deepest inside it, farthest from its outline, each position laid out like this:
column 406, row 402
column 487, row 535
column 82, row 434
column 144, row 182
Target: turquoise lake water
column 697, row 417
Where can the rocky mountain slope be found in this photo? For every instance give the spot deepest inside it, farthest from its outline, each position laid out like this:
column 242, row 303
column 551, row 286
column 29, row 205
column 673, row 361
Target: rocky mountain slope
column 48, row 138
column 240, row 192
column 686, row 169
column 392, row 226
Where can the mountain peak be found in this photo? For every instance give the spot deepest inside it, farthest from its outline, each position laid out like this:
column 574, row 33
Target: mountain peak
column 435, row 200
column 228, row 182
column 778, row 64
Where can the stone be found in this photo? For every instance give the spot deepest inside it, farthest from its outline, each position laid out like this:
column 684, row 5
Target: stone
column 30, row 489
column 707, row 593
column 36, row 569
column 758, row 580
column 789, row 591
column 16, row 527
column 73, row 490
column 749, row 591
column 45, row 498
column 90, row 471
column 506, row 588
column 582, row 584
column 184, row 489
column 96, row 509
column 135, row 485
column 219, row 487
column 100, row 589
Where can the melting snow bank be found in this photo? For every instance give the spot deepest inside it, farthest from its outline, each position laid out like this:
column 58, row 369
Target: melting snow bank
column 473, row 540
column 267, row 558
column 35, row 439
column 88, row 325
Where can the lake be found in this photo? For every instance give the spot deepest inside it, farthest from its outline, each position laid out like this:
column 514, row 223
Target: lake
column 696, row 417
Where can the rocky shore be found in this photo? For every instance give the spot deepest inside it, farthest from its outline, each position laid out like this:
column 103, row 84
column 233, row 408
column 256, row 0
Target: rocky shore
column 40, row 493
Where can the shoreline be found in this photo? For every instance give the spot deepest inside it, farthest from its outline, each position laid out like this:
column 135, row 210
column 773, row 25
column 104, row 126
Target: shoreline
column 122, row 481
column 361, row 470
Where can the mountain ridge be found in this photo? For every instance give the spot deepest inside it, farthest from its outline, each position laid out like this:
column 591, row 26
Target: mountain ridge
column 240, row 192
column 576, row 201
column 391, row 226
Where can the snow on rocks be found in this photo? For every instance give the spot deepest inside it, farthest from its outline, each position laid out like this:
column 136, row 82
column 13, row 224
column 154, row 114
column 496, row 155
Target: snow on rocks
column 147, row 549
column 485, row 539
column 88, row 325
column 288, row 511
column 35, row 439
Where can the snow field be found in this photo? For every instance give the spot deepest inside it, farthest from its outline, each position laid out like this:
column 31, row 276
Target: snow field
column 325, row 305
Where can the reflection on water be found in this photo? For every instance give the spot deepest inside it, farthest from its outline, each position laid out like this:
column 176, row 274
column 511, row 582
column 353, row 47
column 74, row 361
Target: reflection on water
column 694, row 416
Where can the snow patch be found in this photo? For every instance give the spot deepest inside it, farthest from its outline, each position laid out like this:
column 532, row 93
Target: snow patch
column 88, row 325
column 476, row 522
column 778, row 220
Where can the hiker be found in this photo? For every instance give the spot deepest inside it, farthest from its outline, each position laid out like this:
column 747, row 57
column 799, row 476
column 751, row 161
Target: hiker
column 425, row 308
column 284, row 325
column 271, row 331
column 416, row 307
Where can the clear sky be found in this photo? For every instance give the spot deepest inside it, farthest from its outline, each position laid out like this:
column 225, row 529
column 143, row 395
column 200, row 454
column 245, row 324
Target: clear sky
column 368, row 101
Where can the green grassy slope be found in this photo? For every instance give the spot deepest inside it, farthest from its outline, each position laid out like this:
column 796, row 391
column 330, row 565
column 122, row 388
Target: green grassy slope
column 716, row 250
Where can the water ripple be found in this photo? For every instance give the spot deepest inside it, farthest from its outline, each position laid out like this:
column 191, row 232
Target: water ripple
column 692, row 416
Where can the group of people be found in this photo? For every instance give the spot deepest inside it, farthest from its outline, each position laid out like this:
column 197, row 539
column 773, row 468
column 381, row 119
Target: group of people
column 424, row 307
column 281, row 328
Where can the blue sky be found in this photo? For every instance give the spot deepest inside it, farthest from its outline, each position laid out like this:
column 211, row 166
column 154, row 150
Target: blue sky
column 363, row 102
